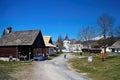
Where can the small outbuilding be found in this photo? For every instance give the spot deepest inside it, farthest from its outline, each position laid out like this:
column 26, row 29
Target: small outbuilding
column 116, row 46
column 50, row 47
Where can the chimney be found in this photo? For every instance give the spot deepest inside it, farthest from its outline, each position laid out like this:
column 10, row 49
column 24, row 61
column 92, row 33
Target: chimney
column 9, row 30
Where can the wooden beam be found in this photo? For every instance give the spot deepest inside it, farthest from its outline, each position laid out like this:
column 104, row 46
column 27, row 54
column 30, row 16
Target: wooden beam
column 16, row 53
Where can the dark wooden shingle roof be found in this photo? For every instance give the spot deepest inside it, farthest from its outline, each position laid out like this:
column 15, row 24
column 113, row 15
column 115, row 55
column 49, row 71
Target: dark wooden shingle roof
column 19, row 38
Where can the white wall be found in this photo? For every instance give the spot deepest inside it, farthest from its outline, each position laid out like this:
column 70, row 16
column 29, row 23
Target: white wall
column 76, row 47
column 108, row 49
column 66, row 44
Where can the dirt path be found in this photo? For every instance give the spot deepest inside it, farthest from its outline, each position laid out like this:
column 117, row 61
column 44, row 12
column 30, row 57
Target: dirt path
column 55, row 69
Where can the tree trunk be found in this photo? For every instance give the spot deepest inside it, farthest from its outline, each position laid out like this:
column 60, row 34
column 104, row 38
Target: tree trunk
column 104, row 43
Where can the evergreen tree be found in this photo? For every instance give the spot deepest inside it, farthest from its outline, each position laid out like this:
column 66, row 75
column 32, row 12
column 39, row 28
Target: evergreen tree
column 60, row 42
column 3, row 33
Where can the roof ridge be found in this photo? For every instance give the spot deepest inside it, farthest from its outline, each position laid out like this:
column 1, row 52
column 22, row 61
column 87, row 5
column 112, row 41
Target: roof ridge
column 46, row 36
column 25, row 31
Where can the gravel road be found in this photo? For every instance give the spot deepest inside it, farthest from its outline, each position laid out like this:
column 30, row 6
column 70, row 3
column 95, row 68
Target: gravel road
column 55, row 69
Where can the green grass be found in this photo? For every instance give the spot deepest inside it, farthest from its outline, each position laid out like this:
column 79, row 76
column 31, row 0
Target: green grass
column 98, row 70
column 6, row 68
column 55, row 55
column 85, row 54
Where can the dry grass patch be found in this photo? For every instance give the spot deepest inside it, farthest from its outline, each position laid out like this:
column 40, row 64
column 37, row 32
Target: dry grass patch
column 98, row 70
column 8, row 68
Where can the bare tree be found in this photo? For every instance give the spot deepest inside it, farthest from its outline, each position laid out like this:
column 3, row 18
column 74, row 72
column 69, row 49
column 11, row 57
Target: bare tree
column 86, row 34
column 105, row 22
column 60, row 42
column 118, row 31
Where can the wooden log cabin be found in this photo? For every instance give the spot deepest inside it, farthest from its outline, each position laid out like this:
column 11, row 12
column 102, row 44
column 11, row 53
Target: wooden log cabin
column 21, row 44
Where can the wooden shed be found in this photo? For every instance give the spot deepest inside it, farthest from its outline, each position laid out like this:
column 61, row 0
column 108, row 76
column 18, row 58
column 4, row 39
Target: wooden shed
column 22, row 44
column 50, row 47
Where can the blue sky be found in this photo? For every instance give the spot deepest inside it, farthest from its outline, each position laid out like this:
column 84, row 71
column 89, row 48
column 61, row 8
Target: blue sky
column 55, row 17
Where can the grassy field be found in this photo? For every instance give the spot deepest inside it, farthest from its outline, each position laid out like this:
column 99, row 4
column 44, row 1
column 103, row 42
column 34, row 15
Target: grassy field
column 6, row 68
column 98, row 70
